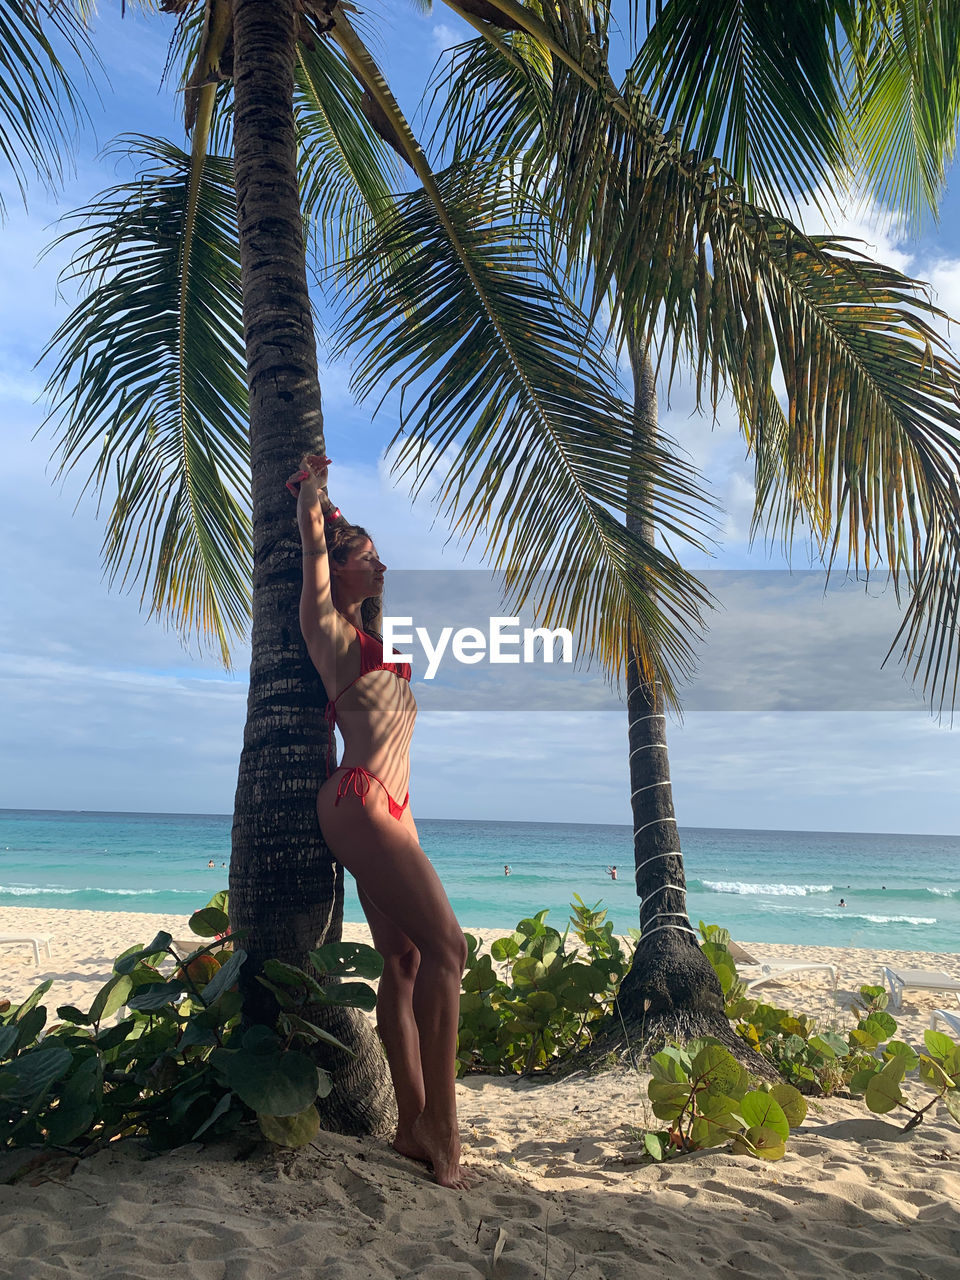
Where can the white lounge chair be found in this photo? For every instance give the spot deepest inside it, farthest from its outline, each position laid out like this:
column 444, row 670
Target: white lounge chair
column 901, row 980
column 951, row 1019
column 35, row 940
column 755, row 970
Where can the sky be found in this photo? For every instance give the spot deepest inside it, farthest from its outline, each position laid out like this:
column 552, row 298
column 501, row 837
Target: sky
column 792, row 722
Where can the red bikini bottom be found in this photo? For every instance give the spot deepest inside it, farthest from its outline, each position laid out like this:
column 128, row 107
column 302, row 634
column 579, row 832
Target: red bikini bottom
column 360, row 779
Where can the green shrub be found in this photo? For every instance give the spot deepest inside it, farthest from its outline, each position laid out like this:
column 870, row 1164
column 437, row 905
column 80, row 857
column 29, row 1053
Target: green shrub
column 179, row 1064
column 867, row 1062
column 553, row 999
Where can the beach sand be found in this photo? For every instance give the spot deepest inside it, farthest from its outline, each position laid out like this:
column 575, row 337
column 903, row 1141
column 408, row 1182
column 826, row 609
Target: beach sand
column 561, row 1194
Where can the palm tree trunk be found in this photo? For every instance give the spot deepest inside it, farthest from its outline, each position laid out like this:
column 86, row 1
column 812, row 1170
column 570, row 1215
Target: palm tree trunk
column 671, row 990
column 284, row 886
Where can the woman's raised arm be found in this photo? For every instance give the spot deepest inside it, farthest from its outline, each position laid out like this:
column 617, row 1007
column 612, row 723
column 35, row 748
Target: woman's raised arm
column 318, row 617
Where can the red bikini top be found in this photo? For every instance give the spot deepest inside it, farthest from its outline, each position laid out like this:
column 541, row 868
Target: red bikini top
column 371, row 659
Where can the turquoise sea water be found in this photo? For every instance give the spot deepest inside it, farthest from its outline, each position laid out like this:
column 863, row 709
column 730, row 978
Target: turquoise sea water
column 768, row 886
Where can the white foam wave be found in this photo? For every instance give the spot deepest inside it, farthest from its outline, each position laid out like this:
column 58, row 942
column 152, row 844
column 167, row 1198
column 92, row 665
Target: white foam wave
column 22, row 891
column 855, row 915
column 772, row 890
column 944, row 893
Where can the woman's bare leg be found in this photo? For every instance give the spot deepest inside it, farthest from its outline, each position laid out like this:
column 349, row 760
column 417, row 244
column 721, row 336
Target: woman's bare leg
column 398, row 878
column 397, row 1024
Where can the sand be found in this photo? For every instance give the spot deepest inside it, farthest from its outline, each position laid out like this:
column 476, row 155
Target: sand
column 561, row 1194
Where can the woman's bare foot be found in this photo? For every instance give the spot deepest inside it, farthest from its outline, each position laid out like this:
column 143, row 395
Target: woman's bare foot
column 407, row 1145
column 442, row 1146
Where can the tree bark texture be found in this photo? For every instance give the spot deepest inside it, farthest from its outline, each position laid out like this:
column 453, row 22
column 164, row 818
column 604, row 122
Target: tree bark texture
column 671, row 990
column 284, row 885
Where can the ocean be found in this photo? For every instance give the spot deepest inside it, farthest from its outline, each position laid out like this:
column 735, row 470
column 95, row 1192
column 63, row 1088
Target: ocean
column 902, row 891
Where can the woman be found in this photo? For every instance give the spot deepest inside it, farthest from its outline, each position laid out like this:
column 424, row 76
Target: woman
column 366, row 821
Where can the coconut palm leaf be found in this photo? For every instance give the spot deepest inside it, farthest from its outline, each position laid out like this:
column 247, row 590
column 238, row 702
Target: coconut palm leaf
column 149, row 387
column 904, row 71
column 506, row 398
column 347, row 171
column 40, row 107
column 759, row 84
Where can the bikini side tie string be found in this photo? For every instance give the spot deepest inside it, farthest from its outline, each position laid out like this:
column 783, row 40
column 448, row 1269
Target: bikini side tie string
column 359, row 779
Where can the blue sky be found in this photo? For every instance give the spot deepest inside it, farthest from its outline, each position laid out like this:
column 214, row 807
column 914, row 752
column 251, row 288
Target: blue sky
column 103, row 708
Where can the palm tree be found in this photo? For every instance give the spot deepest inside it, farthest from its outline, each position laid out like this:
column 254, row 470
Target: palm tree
column 447, row 292
column 738, row 80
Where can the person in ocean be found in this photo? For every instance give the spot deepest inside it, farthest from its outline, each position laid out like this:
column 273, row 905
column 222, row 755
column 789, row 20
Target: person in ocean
column 612, row 872
column 507, row 868
column 841, row 903
column 364, row 813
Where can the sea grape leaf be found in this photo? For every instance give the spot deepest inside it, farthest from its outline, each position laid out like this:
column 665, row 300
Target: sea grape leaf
column 668, row 1100
column 710, row 1131
column 130, row 959
column 280, row 1084
column 31, row 1001
column 934, row 1074
column 36, row 1070
column 664, row 1066
column 768, row 1144
column 718, row 1065
column 111, row 997
column 504, row 948
column 209, row 923
column 883, row 1089
column 830, row 1044
column 156, row 995
column 313, row 1032
column 30, row 1026
column 348, row 959
column 291, row 1131
column 355, row 994
column 938, row 1044
column 860, row 1079
column 880, row 1025
column 68, row 1123
column 220, row 901
column 792, row 1103
column 222, row 1107
column 224, row 978
column 763, row 1111
column 951, row 1100
column 900, row 1049
column 654, row 1146
column 289, row 975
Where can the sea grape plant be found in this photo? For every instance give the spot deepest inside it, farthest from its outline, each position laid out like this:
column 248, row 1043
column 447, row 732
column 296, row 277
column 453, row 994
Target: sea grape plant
column 866, row 1061
column 532, row 1000
column 707, row 1098
column 179, row 1064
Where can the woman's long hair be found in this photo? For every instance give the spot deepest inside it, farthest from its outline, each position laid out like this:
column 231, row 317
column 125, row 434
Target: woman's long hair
column 342, row 537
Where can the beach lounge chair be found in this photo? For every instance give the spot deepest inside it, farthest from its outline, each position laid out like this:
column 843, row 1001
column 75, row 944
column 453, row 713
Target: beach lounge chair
column 901, row 980
column 35, row 940
column 755, row 970
column 951, row 1019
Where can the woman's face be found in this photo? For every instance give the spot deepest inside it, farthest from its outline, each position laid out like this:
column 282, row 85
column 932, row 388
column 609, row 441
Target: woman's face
column 361, row 574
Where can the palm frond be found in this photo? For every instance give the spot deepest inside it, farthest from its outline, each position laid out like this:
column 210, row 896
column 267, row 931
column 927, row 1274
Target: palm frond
column 904, row 75
column 40, row 107
column 346, row 170
column 149, row 388
column 756, row 84
column 505, row 389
